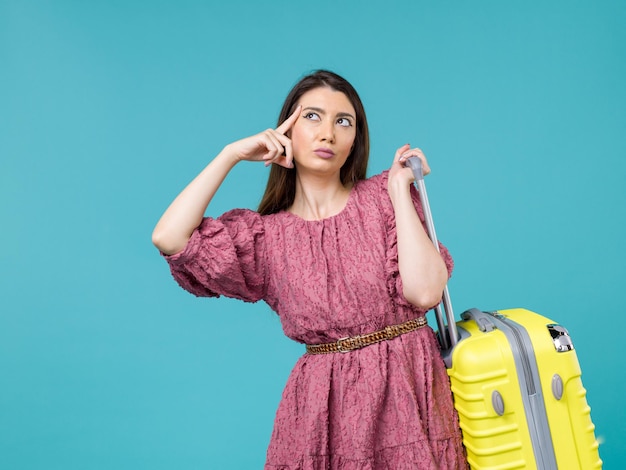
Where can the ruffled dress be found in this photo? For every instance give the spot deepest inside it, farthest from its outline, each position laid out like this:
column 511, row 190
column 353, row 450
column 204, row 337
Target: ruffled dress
column 385, row 406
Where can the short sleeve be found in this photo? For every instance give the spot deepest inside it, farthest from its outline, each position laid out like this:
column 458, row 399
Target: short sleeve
column 394, row 281
column 224, row 256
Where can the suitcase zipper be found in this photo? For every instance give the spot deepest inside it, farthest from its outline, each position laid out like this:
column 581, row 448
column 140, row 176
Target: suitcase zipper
column 530, row 382
column 536, row 414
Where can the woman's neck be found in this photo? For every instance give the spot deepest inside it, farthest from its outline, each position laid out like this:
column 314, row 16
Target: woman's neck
column 319, row 198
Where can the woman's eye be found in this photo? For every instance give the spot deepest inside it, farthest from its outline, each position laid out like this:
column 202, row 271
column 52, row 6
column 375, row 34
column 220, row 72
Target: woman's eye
column 312, row 116
column 344, row 122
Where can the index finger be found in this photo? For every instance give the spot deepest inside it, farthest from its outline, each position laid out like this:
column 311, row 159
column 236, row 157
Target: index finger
column 285, row 126
column 401, row 151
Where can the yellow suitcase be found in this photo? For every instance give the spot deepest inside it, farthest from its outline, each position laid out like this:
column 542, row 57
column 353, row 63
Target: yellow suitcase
column 516, row 383
column 517, row 388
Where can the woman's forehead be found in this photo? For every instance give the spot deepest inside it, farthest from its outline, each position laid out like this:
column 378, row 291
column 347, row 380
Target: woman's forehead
column 326, row 98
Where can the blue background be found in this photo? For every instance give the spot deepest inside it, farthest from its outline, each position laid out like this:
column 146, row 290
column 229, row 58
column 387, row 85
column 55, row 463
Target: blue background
column 107, row 109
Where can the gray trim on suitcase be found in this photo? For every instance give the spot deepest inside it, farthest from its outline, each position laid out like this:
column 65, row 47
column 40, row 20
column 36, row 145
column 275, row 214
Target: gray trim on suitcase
column 530, row 383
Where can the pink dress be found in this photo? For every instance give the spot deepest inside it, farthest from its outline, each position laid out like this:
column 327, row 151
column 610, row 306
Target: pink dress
column 386, row 406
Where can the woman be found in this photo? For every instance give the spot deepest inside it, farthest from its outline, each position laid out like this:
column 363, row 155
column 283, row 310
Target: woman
column 347, row 265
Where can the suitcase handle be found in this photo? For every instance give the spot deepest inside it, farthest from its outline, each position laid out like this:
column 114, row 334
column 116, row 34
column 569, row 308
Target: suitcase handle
column 450, row 340
column 482, row 319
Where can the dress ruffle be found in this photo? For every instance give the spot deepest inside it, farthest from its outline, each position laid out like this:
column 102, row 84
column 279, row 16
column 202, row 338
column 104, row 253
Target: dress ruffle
column 413, row 456
column 224, row 256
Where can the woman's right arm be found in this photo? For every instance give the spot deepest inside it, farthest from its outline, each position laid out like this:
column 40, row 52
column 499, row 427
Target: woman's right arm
column 185, row 213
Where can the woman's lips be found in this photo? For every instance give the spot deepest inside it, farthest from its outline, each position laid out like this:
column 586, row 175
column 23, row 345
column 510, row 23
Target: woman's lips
column 324, row 153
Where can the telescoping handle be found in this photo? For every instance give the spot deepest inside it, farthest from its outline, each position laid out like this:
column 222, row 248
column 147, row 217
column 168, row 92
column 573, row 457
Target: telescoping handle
column 450, row 340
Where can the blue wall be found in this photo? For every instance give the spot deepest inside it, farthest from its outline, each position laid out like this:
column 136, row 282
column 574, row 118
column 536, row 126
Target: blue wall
column 107, row 109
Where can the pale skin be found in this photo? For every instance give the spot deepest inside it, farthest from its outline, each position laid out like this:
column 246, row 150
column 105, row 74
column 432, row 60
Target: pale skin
column 317, row 139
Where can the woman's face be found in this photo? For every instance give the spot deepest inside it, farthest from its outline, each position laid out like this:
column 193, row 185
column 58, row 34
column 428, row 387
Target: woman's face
column 323, row 135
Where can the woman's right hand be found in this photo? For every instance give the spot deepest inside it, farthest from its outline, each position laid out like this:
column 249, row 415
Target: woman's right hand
column 269, row 146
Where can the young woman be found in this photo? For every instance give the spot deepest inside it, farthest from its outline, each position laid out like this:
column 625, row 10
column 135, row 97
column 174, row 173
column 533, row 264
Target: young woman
column 347, row 265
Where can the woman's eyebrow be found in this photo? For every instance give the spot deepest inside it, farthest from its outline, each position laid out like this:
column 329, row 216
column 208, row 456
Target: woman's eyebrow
column 346, row 115
column 321, row 111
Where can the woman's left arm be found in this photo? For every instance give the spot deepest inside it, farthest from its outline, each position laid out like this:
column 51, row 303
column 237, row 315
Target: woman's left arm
column 422, row 269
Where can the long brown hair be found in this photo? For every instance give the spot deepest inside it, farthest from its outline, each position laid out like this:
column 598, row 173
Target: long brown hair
column 281, row 184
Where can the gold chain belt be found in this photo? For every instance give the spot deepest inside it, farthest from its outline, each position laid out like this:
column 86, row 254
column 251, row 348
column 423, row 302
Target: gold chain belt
column 357, row 342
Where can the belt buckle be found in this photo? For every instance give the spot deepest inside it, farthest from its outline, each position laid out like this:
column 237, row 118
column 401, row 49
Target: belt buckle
column 340, row 347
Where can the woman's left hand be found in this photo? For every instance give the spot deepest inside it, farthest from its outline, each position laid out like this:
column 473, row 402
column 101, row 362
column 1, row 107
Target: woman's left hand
column 401, row 176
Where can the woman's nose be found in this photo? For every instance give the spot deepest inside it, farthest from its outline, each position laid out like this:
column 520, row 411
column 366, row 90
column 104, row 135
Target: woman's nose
column 327, row 131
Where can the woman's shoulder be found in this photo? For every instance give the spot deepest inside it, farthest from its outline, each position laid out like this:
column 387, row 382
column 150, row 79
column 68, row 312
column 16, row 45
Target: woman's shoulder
column 257, row 221
column 237, row 219
column 371, row 196
column 376, row 183
column 240, row 214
